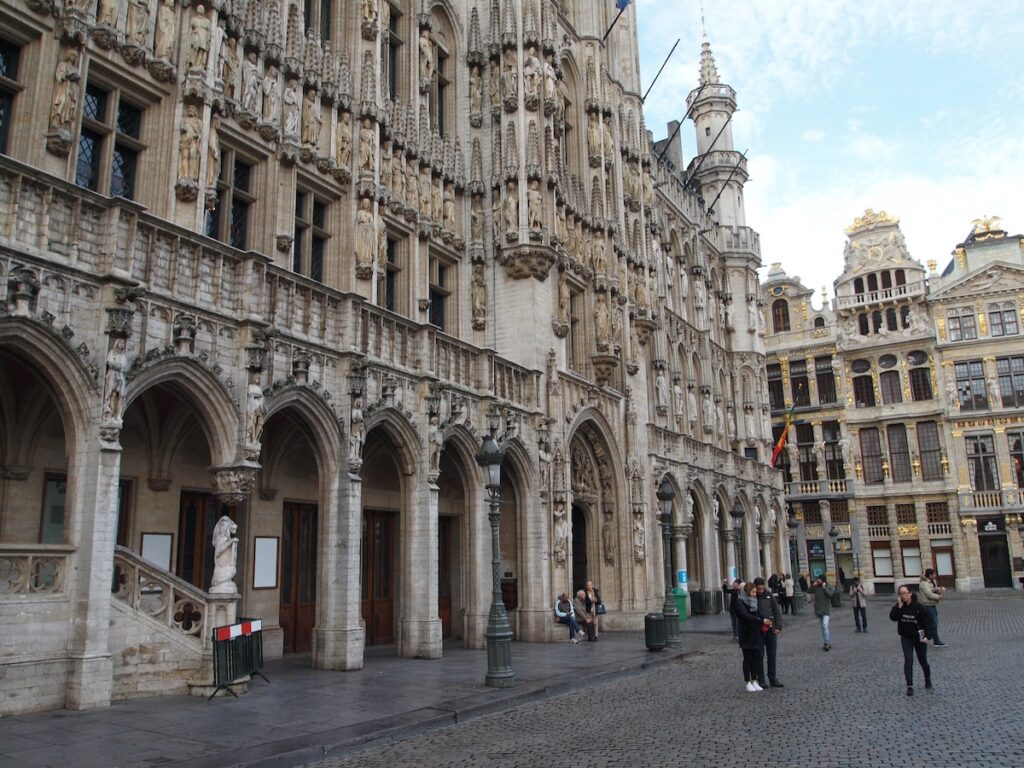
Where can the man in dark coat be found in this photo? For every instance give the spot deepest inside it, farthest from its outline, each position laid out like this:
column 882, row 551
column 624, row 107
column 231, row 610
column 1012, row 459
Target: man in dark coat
column 768, row 608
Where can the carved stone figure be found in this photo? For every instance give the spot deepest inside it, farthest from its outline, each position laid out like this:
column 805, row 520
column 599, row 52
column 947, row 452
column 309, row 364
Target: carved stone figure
column 251, row 83
column 494, row 86
column 678, row 397
column 290, row 110
column 65, row 91
column 716, row 508
column 748, row 422
column 412, row 184
column 114, row 381
column 534, row 205
column 311, row 120
column 366, row 145
column 436, row 200
column 550, row 79
column 511, row 208
column 344, row 140
column 510, row 80
column 199, row 39
column 436, row 439
column 845, row 451
column 476, row 94
column 479, row 297
column 476, row 220
column 691, row 408
column 602, row 320
column 213, row 153
column 229, row 68
column 594, row 140
column 366, row 236
column 166, row 30
column 449, row 208
column 608, row 541
column 271, row 93
column 370, row 10
column 561, row 534
column 255, row 411
column 107, row 13
column 189, row 144
column 426, row 56
column 639, row 543
column 137, row 28
column 355, row 433
column 425, row 200
column 708, row 413
column 661, row 390
column 608, row 143
column 563, row 299
column 531, row 74
column 225, row 556
column 600, row 256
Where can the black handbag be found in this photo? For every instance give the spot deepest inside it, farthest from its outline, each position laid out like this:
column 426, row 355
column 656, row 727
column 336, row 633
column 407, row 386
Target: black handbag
column 601, row 610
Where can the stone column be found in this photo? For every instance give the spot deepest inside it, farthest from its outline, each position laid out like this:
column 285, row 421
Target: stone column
column 419, row 625
column 765, row 540
column 339, row 637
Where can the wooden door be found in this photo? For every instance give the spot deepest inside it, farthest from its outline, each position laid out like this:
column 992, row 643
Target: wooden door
column 445, row 529
column 945, row 566
column 298, row 576
column 580, row 569
column 377, row 565
column 197, row 516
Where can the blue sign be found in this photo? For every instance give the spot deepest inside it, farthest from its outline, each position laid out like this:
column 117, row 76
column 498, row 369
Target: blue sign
column 682, row 579
column 733, row 573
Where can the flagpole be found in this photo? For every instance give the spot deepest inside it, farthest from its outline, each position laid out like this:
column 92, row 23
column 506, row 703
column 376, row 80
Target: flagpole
column 621, row 11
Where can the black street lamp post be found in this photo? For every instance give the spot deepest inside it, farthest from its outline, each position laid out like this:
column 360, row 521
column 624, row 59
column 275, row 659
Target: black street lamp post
column 499, row 633
column 794, row 562
column 666, row 493
column 833, row 534
column 737, row 517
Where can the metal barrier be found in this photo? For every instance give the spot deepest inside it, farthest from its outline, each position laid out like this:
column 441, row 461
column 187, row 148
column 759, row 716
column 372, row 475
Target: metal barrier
column 237, row 652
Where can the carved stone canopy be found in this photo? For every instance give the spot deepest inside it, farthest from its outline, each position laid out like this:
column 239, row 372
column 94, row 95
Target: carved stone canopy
column 232, row 485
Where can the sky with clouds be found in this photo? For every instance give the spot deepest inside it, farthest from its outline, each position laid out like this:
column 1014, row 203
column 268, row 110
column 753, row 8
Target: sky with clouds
column 912, row 107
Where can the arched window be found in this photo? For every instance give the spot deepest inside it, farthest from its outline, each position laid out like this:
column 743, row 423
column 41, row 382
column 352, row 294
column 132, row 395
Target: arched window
column 872, row 282
column 819, row 322
column 780, row 315
column 886, row 279
column 890, row 319
column 858, row 285
column 876, row 321
column 901, row 277
column 905, row 316
column 862, row 324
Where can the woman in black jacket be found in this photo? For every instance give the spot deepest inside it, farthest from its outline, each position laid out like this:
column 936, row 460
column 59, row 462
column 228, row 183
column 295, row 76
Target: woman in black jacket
column 914, row 627
column 750, row 626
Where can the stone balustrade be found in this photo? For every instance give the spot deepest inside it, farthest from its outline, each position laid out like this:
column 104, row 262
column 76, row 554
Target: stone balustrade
column 33, row 570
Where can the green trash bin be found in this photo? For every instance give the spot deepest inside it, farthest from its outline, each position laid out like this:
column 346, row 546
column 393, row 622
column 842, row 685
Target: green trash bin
column 680, row 595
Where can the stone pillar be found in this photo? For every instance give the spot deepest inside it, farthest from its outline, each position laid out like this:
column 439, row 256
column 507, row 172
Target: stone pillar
column 680, row 533
column 765, row 540
column 95, row 469
column 419, row 625
column 339, row 637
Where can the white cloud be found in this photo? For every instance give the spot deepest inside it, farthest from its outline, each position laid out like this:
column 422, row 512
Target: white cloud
column 813, row 134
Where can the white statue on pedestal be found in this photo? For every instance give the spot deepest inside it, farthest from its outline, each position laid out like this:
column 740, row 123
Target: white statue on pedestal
column 225, row 555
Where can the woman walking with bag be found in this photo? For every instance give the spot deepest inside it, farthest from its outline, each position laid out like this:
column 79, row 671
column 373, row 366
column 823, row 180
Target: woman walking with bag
column 914, row 628
column 594, row 605
column 750, row 627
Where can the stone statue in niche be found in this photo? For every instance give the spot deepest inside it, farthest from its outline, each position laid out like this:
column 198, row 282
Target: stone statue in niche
column 213, row 153
column 271, row 93
column 344, row 140
column 65, row 91
column 106, row 14
column 563, row 299
column 366, row 236
column 449, row 208
column 532, row 76
column 594, row 141
column 225, row 557
column 476, row 219
column 166, row 30
column 290, row 98
column 494, row 86
column 691, row 407
column 534, row 205
column 639, row 543
column 475, row 90
column 561, row 533
column 229, row 68
column 608, row 539
column 426, row 57
column 199, row 39
column 366, row 145
column 114, row 382
column 425, row 192
column 255, row 411
column 550, row 80
column 436, row 439
column 436, row 200
column 189, row 143
column 689, row 509
column 661, row 390
column 748, row 422
column 600, row 256
column 602, row 321
column 251, row 83
column 511, row 208
column 412, row 185
column 355, row 432
column 311, row 120
column 218, row 42
column 370, row 10
column 608, row 143
column 137, row 27
column 511, row 80
column 708, row 413
column 716, row 512
column 845, row 451
column 479, row 297
column 678, row 397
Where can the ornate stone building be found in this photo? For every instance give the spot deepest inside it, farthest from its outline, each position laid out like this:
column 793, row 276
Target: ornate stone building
column 905, row 447
column 286, row 263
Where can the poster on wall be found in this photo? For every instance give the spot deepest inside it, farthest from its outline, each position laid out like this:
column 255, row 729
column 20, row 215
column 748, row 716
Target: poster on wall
column 156, row 548
column 264, row 570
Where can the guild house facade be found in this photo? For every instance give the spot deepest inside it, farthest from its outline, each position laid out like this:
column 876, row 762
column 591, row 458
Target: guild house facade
column 287, row 264
column 906, row 446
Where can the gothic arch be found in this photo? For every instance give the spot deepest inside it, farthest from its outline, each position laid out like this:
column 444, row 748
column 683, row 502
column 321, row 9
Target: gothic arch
column 402, row 435
column 73, row 388
column 316, row 419
column 214, row 405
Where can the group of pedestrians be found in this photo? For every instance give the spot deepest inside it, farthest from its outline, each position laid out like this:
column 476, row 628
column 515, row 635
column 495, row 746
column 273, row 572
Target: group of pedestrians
column 756, row 614
column 580, row 613
column 782, row 585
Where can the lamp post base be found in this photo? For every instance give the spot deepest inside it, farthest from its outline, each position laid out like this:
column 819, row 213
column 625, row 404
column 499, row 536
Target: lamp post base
column 671, row 614
column 499, row 659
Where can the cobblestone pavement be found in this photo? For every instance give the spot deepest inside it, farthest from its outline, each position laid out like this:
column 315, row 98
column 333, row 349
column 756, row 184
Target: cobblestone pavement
column 844, row 708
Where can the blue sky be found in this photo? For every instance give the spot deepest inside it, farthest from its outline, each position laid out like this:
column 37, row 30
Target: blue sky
column 913, row 107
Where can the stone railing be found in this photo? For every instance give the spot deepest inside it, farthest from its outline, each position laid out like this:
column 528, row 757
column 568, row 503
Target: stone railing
column 982, row 500
column 817, row 487
column 162, row 596
column 878, row 532
column 880, row 296
column 940, row 529
column 514, row 383
column 33, row 569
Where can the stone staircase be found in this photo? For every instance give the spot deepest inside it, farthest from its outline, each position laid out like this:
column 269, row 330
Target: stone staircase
column 160, row 629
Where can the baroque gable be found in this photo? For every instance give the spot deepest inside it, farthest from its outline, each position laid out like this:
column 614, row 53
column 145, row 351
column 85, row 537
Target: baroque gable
column 998, row 278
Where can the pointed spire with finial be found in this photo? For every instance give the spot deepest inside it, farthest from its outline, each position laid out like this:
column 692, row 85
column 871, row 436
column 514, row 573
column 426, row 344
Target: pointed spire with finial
column 708, row 70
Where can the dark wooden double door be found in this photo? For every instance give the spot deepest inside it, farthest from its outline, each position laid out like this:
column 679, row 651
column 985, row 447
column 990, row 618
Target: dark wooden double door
column 377, row 569
column 298, row 576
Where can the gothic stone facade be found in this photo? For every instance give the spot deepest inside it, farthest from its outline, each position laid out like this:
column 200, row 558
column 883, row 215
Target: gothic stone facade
column 288, row 269
column 906, row 446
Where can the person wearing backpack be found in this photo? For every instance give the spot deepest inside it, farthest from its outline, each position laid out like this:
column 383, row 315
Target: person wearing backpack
column 823, row 593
